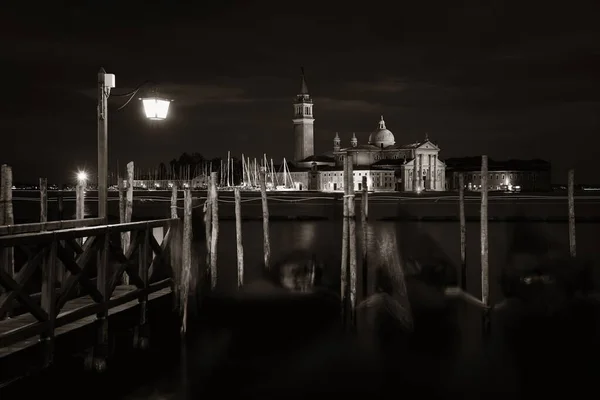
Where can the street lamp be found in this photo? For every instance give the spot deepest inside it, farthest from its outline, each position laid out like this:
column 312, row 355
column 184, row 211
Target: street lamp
column 82, row 176
column 155, row 108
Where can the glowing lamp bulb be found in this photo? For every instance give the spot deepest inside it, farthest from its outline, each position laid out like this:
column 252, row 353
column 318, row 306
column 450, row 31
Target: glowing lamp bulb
column 82, row 176
column 155, row 108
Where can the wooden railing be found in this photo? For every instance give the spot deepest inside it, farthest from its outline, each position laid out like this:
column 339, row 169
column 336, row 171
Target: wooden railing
column 93, row 263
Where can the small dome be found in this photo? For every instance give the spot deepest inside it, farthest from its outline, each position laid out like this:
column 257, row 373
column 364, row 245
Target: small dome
column 382, row 137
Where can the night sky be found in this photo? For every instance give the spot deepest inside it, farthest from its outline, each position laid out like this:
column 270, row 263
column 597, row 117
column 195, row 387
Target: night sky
column 511, row 79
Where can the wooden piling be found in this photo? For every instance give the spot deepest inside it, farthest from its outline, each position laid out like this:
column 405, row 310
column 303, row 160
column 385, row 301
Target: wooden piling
column 79, row 200
column 463, row 232
column 43, row 200
column 238, row 237
column 344, row 261
column 8, row 218
column 2, row 196
column 174, row 201
column 364, row 212
column 128, row 212
column 122, row 202
column 571, row 200
column 186, row 255
column 485, row 269
column 352, row 241
column 265, row 217
column 61, row 208
column 214, row 235
column 208, row 224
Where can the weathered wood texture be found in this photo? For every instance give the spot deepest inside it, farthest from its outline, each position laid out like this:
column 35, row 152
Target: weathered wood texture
column 96, row 266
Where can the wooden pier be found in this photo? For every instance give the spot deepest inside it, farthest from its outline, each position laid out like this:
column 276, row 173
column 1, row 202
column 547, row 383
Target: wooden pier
column 72, row 278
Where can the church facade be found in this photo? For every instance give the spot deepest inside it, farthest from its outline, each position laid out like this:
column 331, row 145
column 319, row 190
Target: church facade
column 387, row 166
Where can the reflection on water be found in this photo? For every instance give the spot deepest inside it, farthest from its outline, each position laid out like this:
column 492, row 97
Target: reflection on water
column 388, row 243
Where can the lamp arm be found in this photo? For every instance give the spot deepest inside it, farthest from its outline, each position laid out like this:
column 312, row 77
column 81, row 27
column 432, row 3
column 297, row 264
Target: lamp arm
column 132, row 93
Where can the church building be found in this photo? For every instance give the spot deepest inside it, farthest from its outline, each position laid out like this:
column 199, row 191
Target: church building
column 387, row 165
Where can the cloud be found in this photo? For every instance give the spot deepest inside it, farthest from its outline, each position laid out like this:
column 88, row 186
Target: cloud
column 191, row 95
column 389, row 85
column 329, row 103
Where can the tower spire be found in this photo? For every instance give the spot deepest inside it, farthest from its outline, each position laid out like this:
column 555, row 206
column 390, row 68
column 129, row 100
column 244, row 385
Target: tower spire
column 382, row 123
column 303, row 87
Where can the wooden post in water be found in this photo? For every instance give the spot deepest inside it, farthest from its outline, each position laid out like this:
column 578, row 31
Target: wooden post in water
column 214, row 235
column 80, row 205
column 43, row 200
column 175, row 255
column 7, row 260
column 364, row 214
column 485, row 269
column 352, row 242
column 571, row 196
column 122, row 203
column 208, row 223
column 238, row 237
column 128, row 212
column 186, row 255
column 344, row 264
column 174, row 201
column 3, row 188
column 79, row 200
column 61, row 207
column 463, row 231
column 265, row 218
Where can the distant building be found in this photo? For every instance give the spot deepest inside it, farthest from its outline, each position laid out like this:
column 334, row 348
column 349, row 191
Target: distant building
column 510, row 175
column 386, row 165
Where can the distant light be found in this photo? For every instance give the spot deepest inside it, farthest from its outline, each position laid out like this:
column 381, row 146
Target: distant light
column 155, row 108
column 82, row 176
column 157, row 185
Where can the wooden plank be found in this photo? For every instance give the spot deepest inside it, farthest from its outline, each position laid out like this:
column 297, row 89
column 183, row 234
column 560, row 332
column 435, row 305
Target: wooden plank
column 22, row 277
column 48, row 226
column 125, row 298
column 11, row 239
column 23, row 298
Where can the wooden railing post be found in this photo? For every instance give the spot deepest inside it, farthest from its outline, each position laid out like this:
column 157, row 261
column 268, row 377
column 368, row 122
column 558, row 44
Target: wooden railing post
column 141, row 336
column 238, row 237
column 463, row 231
column 43, row 200
column 214, row 235
column 265, row 218
column 101, row 351
column 48, row 299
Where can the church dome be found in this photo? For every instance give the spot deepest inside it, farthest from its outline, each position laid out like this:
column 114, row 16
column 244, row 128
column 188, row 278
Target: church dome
column 382, row 137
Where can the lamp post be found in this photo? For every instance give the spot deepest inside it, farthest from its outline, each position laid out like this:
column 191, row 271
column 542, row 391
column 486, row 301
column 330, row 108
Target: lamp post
column 155, row 109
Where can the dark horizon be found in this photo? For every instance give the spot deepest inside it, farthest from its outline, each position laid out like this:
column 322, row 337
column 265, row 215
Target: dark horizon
column 507, row 80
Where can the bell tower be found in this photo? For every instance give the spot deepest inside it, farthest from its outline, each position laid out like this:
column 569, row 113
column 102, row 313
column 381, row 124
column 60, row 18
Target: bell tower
column 304, row 141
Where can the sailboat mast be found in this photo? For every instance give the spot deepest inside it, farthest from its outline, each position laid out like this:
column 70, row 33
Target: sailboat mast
column 255, row 172
column 284, row 173
column 228, row 156
column 243, row 171
column 273, row 175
